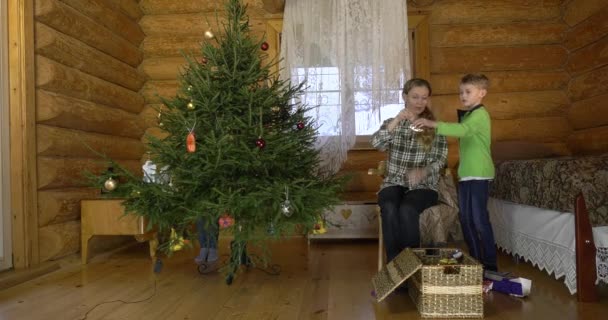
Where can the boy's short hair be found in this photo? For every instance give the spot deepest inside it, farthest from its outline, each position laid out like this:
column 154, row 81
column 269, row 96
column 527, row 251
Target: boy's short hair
column 477, row 79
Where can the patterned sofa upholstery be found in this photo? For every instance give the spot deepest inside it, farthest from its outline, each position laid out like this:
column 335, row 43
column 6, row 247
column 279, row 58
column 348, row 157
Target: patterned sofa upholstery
column 554, row 183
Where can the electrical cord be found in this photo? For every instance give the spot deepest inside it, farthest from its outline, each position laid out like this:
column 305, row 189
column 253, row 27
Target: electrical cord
column 122, row 301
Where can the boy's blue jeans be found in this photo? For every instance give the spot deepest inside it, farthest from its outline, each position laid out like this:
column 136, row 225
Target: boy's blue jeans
column 401, row 209
column 475, row 221
column 207, row 234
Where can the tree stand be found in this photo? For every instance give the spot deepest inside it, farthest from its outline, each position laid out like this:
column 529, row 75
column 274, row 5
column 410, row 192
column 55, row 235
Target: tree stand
column 243, row 259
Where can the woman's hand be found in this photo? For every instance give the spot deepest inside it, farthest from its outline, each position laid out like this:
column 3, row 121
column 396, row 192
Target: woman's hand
column 404, row 114
column 415, row 176
column 422, row 122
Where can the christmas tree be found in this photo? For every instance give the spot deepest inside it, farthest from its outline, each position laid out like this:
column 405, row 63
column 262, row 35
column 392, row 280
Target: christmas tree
column 239, row 149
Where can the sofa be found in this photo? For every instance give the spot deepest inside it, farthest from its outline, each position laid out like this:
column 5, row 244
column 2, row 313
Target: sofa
column 554, row 214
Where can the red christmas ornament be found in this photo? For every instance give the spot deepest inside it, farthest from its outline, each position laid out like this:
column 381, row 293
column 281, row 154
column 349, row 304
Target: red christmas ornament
column 300, row 125
column 191, row 142
column 264, row 46
column 260, row 143
column 226, row 221
column 204, row 60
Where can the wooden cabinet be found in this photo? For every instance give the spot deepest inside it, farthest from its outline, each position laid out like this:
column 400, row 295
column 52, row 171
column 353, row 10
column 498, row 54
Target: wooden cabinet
column 107, row 217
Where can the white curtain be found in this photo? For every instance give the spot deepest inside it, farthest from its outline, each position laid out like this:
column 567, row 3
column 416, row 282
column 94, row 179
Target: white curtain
column 354, row 55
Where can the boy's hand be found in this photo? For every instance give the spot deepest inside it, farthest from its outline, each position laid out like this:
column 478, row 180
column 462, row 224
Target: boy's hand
column 425, row 123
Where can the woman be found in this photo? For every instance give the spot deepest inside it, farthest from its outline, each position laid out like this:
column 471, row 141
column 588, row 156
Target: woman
column 415, row 159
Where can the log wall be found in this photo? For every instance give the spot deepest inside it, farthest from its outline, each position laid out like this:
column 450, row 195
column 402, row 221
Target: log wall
column 518, row 45
column 87, row 94
column 587, row 40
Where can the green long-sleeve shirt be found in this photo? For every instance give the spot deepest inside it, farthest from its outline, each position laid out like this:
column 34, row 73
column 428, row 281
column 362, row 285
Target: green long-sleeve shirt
column 475, row 132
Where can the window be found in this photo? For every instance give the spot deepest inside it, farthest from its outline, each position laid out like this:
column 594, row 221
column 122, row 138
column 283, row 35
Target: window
column 324, row 88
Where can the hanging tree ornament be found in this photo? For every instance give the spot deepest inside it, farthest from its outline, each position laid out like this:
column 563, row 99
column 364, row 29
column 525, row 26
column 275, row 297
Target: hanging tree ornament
column 110, row 184
column 271, row 229
column 264, row 46
column 190, row 105
column 204, row 60
column 286, row 208
column 209, row 34
column 300, row 125
column 275, row 109
column 191, row 140
column 260, row 143
column 160, row 115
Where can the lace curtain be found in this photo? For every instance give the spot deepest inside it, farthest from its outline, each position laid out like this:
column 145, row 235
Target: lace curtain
column 354, row 55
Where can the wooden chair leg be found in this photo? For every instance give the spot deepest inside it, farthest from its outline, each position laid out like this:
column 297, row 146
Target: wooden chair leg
column 586, row 272
column 380, row 242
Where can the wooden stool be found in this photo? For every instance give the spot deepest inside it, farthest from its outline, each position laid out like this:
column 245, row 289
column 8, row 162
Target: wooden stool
column 107, row 217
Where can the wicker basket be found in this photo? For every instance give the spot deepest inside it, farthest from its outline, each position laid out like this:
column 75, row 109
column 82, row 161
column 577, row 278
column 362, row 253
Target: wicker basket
column 441, row 291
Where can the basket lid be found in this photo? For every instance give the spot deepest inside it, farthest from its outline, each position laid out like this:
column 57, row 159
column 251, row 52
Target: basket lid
column 394, row 273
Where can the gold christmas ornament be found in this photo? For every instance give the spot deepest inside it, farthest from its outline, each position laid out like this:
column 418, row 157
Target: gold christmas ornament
column 110, row 184
column 209, row 35
column 190, row 105
column 190, row 88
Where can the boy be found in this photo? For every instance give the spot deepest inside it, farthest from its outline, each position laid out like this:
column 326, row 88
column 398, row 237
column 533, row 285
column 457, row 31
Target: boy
column 476, row 168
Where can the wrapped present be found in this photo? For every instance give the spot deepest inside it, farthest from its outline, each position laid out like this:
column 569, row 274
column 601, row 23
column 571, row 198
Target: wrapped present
column 515, row 286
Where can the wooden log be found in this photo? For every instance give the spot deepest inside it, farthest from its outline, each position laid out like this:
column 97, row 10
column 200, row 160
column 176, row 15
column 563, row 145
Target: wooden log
column 509, row 34
column 129, row 7
column 156, row 132
column 503, row 106
column 60, row 142
column 149, row 116
column 65, row 19
column 541, row 57
column 163, row 68
column 576, row 11
column 170, row 46
column 493, row 11
column 362, row 159
column 591, row 29
column 66, row 112
column 157, row 7
column 361, row 181
column 589, row 84
column 274, row 6
column 521, row 150
column 589, row 113
column 108, row 16
column 189, row 24
column 59, row 240
column 505, row 81
column 58, row 78
column 61, row 205
column 547, row 129
column 153, row 90
column 73, row 53
column 589, row 57
column 586, row 272
column 589, row 141
column 54, row 173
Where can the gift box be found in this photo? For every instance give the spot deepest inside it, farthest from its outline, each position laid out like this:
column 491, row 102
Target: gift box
column 515, row 286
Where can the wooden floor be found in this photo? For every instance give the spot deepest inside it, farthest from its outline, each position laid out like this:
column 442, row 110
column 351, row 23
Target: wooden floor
column 328, row 280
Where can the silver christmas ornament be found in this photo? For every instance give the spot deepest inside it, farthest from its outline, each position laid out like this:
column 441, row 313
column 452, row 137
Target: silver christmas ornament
column 286, row 208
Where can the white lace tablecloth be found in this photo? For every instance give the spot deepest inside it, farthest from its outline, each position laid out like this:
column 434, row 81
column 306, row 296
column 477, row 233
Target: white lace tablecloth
column 545, row 238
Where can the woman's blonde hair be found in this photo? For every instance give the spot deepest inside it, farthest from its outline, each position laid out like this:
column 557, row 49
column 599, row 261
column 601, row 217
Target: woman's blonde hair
column 427, row 135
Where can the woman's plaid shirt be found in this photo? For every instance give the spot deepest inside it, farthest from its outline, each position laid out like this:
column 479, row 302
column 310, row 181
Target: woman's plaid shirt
column 405, row 153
